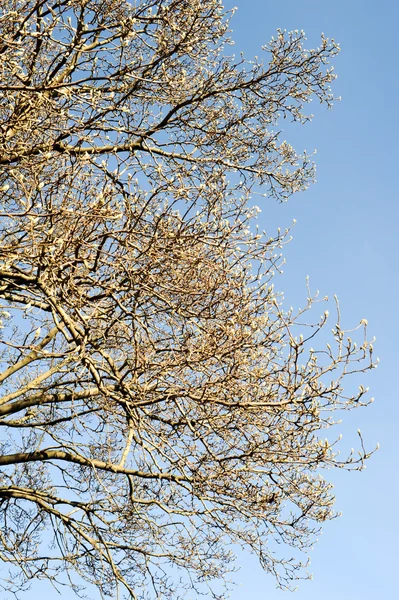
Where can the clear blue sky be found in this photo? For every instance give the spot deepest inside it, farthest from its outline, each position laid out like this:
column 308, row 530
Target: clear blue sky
column 346, row 240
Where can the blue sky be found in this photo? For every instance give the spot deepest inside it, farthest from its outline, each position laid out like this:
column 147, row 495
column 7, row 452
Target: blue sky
column 346, row 240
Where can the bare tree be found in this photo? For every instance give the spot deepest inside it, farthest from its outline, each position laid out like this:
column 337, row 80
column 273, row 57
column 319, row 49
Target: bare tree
column 158, row 405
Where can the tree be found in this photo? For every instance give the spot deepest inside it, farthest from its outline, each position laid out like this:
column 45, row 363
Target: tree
column 158, row 404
